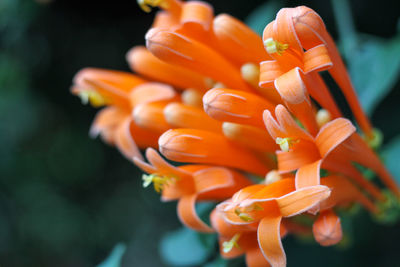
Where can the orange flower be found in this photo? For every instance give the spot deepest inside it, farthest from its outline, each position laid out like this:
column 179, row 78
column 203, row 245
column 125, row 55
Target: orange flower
column 300, row 29
column 238, row 99
column 122, row 92
column 267, row 205
column 189, row 184
column 264, row 206
column 334, row 148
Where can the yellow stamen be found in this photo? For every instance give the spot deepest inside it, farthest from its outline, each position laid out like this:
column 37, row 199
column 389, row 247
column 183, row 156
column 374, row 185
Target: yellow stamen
column 92, row 97
column 229, row 245
column 273, row 46
column 254, row 207
column 243, row 216
column 250, row 73
column 159, row 181
column 286, row 143
column 146, row 5
column 272, row 177
column 323, row 117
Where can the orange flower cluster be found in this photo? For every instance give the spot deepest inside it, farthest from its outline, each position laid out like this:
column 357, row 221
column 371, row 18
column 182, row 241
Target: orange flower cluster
column 251, row 115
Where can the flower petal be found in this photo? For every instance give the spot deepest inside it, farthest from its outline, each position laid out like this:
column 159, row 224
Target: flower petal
column 125, row 142
column 332, row 134
column 327, row 229
column 308, row 175
column 255, row 258
column 317, row 59
column 177, row 49
column 302, row 199
column 293, row 92
column 184, row 116
column 191, row 145
column 151, row 92
column 269, row 240
column 188, row 216
column 142, row 61
column 238, row 40
column 150, row 116
column 236, row 106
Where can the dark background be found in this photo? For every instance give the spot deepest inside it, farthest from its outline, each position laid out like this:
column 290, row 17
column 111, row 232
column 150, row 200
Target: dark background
column 65, row 199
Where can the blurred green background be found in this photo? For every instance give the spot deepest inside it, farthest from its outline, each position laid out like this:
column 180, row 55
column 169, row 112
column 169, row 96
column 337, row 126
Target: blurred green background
column 67, row 200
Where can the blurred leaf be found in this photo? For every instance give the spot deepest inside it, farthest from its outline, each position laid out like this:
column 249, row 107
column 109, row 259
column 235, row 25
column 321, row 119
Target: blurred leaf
column 373, row 62
column 219, row 262
column 391, row 156
column 184, row 248
column 115, row 257
column 264, row 14
column 374, row 68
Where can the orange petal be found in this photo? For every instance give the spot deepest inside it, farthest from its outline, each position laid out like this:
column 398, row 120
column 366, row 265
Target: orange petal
column 212, row 178
column 125, row 142
column 235, row 106
column 245, row 135
column 191, row 145
column 150, row 116
column 332, row 134
column 293, row 91
column 196, row 16
column 301, row 154
column 111, row 93
column 320, row 92
column 269, row 71
column 171, row 7
column 162, row 166
column 229, row 184
column 327, row 229
column 312, row 32
column 143, row 138
column 302, row 199
column 106, row 122
column 308, row 25
column 317, row 59
column 267, row 192
column 146, row 64
column 284, row 126
column 124, row 81
column 182, row 51
column 308, row 175
column 183, row 116
column 357, row 150
column 238, row 41
column 255, row 258
column 165, row 20
column 226, row 229
column 269, row 240
column 344, row 192
column 188, row 216
column 151, row 92
column 335, row 162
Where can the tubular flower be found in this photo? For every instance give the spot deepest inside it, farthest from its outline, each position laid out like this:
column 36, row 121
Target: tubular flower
column 120, row 92
column 188, row 184
column 264, row 207
column 333, row 148
column 234, row 108
column 301, row 28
